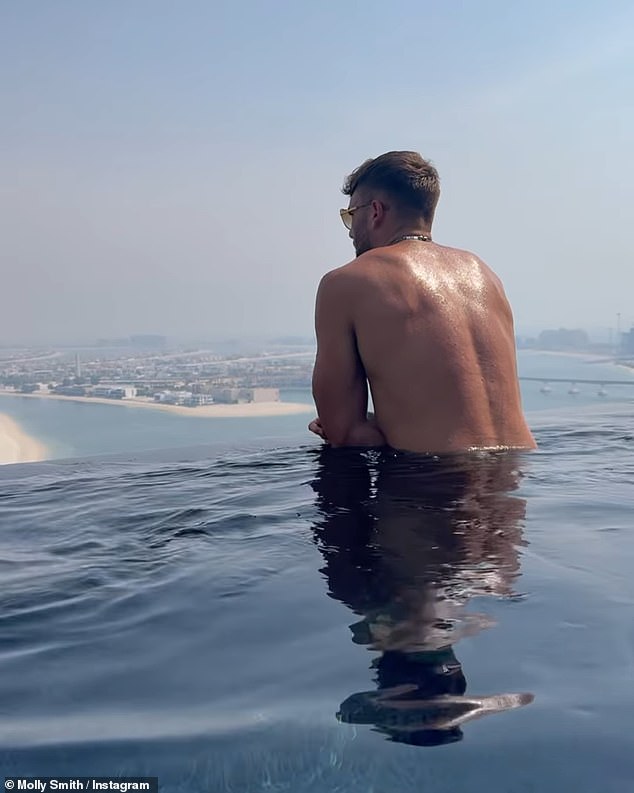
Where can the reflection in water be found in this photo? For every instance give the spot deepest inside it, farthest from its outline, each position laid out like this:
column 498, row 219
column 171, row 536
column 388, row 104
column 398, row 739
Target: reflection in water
column 407, row 541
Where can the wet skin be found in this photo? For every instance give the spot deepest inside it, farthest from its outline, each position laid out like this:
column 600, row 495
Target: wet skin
column 430, row 330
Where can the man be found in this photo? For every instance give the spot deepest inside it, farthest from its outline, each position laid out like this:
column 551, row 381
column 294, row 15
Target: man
column 428, row 327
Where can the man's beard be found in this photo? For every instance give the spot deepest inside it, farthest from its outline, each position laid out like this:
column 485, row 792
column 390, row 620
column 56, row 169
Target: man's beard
column 362, row 245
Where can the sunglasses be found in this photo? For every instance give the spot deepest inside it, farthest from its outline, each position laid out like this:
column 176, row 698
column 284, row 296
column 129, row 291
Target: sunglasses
column 346, row 214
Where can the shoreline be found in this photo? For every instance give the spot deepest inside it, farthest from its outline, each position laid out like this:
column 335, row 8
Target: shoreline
column 591, row 357
column 629, row 367
column 18, row 447
column 241, row 410
column 588, row 357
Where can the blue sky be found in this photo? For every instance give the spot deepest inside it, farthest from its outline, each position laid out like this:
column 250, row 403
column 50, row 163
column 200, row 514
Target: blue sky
column 176, row 167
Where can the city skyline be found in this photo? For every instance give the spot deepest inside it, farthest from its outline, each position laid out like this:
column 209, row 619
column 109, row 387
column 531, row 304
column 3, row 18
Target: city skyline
column 601, row 334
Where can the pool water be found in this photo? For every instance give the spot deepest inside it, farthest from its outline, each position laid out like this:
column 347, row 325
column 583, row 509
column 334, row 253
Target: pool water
column 290, row 618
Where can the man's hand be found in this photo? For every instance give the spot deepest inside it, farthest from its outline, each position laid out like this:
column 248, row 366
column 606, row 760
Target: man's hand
column 316, row 427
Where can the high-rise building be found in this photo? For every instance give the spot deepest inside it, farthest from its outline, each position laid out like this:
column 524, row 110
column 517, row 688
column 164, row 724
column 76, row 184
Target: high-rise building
column 627, row 342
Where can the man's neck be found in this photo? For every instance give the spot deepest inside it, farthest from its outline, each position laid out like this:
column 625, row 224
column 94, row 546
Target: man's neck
column 413, row 228
column 422, row 234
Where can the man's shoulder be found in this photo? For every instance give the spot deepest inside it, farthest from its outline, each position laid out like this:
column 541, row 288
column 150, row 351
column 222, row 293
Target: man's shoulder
column 340, row 288
column 467, row 258
column 334, row 285
column 458, row 253
column 346, row 273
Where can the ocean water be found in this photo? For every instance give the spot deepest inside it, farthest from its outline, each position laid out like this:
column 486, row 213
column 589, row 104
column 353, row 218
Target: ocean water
column 269, row 615
column 80, row 429
column 75, row 429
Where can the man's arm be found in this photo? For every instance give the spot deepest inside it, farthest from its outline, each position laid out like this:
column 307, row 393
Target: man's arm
column 340, row 388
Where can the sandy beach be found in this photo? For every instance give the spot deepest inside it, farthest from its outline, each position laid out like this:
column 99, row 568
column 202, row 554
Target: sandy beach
column 16, row 446
column 626, row 367
column 243, row 410
column 590, row 357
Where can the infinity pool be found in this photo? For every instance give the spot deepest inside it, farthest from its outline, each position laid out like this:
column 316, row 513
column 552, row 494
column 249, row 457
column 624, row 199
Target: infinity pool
column 289, row 619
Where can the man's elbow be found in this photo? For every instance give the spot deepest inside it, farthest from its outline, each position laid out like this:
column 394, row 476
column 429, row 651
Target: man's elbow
column 354, row 435
column 337, row 428
column 337, row 435
column 363, row 433
column 339, row 442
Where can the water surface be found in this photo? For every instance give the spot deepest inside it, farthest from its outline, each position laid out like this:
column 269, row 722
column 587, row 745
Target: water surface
column 284, row 619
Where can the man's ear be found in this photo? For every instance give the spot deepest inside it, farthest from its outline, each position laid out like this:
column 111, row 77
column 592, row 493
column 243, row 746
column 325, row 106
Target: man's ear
column 378, row 212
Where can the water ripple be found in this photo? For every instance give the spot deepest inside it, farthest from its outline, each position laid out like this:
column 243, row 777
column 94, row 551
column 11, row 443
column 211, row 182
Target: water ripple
column 172, row 600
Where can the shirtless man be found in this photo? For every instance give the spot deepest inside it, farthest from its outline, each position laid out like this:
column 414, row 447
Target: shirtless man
column 428, row 327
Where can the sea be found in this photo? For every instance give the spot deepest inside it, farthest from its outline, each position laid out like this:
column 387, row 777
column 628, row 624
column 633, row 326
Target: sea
column 78, row 429
column 227, row 605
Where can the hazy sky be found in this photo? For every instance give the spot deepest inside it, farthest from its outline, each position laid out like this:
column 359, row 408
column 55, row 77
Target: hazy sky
column 175, row 167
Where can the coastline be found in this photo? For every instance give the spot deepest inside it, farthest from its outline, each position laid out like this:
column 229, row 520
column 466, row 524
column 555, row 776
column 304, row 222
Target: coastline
column 587, row 357
column 16, row 446
column 591, row 357
column 627, row 367
column 242, row 410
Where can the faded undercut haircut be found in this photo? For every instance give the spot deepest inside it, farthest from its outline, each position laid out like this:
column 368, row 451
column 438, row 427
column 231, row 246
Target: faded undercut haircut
column 404, row 176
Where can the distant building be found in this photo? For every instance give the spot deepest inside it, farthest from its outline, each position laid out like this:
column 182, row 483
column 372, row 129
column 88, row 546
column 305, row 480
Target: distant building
column 165, row 397
column 201, row 388
column 226, row 396
column 140, row 340
column 563, row 339
column 196, row 400
column 70, row 390
column 260, row 394
column 148, row 340
column 124, row 392
column 627, row 343
column 181, row 398
column 114, row 392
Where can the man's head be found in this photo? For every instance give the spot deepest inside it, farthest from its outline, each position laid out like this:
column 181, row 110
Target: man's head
column 390, row 195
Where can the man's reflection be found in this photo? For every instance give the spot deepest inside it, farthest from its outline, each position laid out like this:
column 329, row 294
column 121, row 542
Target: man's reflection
column 407, row 541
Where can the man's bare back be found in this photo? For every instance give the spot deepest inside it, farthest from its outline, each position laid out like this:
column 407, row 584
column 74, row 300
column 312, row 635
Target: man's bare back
column 434, row 333
column 428, row 327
